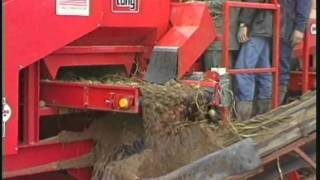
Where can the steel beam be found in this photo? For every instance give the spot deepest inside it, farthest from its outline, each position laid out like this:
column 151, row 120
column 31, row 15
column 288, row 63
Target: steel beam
column 38, row 155
column 89, row 96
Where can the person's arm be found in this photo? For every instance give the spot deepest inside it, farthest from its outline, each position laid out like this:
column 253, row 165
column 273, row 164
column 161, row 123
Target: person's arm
column 247, row 14
column 245, row 19
column 303, row 10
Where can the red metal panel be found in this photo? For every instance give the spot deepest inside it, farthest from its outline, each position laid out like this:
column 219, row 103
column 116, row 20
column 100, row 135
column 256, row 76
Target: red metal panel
column 45, row 176
column 192, row 32
column 296, row 82
column 41, row 154
column 33, row 104
column 92, row 55
column 153, row 14
column 306, row 63
column 294, row 176
column 305, row 52
column 276, row 55
column 33, row 30
column 47, row 111
column 309, row 42
column 100, row 49
column 56, row 61
column 251, row 71
column 89, row 96
column 28, row 25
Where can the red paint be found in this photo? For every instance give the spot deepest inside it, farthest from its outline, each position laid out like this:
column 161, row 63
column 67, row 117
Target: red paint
column 251, row 71
column 306, row 51
column 47, row 111
column 192, row 32
column 89, row 96
column 297, row 81
column 92, row 55
column 103, row 38
column 45, row 176
column 41, row 154
column 212, row 80
column 294, row 176
column 29, row 41
column 33, row 104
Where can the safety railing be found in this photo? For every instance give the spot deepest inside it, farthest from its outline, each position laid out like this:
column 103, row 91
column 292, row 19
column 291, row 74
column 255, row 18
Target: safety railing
column 275, row 69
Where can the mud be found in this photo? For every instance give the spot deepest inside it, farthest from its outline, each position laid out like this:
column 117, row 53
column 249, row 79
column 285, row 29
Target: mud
column 117, row 136
column 171, row 132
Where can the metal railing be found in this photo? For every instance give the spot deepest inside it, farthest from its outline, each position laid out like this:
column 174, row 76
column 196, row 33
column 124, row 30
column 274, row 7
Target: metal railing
column 275, row 69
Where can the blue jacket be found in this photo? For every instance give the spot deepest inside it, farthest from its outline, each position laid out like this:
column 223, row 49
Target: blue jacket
column 296, row 15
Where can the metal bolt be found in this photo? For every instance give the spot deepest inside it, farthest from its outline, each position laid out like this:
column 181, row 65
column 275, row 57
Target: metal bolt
column 212, row 114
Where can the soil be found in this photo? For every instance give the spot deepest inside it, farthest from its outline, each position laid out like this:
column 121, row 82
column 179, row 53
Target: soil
column 174, row 132
column 171, row 131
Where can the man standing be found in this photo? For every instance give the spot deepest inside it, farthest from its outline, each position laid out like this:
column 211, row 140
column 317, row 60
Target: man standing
column 295, row 19
column 255, row 32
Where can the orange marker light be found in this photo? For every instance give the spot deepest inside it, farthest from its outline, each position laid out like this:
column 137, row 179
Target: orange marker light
column 124, row 103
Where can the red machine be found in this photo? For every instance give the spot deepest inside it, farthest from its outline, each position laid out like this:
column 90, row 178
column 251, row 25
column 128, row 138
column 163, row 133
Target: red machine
column 45, row 37
column 305, row 77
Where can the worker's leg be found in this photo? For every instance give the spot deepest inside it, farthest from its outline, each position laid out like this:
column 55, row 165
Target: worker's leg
column 264, row 81
column 245, row 83
column 285, row 68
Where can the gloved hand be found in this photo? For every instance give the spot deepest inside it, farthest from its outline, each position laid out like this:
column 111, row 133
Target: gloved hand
column 243, row 34
column 297, row 37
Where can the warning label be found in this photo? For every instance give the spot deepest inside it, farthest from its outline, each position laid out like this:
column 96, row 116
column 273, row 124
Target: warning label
column 73, row 7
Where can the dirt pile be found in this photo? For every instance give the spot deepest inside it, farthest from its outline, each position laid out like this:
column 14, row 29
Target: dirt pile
column 117, row 137
column 171, row 132
column 174, row 132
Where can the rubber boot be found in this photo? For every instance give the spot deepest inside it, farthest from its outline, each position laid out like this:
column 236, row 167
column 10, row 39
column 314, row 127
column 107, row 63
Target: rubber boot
column 283, row 93
column 244, row 110
column 263, row 106
column 254, row 108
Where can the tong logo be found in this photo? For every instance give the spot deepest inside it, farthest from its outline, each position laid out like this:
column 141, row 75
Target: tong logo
column 125, row 6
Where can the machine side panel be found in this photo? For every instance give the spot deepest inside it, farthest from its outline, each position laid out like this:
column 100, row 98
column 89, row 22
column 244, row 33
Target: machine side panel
column 33, row 30
column 192, row 32
column 152, row 13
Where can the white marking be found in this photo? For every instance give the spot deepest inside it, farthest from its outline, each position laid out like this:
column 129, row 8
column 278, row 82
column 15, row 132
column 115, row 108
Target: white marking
column 220, row 71
column 6, row 114
column 313, row 29
column 73, row 7
column 125, row 6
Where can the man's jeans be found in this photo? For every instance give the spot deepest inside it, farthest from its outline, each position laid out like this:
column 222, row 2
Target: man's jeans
column 254, row 54
column 286, row 58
